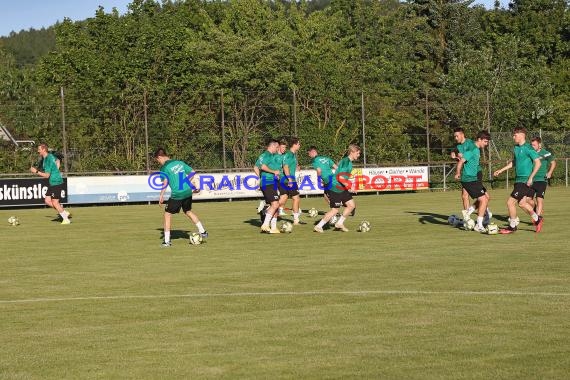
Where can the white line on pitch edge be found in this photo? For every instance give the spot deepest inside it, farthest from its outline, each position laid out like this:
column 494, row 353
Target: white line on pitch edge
column 306, row 293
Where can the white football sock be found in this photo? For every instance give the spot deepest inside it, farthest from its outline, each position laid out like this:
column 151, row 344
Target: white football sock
column 200, row 227
column 341, row 220
column 63, row 215
column 268, row 218
column 480, row 221
column 166, row 236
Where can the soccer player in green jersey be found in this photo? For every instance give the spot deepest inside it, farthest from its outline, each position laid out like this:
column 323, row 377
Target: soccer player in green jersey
column 325, row 168
column 467, row 169
column 547, row 166
column 339, row 194
column 465, row 144
column 179, row 176
column 288, row 187
column 269, row 167
column 527, row 163
column 55, row 188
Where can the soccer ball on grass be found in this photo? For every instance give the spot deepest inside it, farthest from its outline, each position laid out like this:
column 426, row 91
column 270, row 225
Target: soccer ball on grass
column 13, row 221
column 195, row 238
column 469, row 224
column 286, row 227
column 364, row 226
column 313, row 212
column 492, row 229
column 334, row 219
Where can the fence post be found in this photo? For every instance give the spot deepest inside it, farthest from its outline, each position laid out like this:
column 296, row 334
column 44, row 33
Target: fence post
column 223, row 130
column 363, row 127
column 146, row 131
column 444, row 178
column 64, row 133
column 566, row 174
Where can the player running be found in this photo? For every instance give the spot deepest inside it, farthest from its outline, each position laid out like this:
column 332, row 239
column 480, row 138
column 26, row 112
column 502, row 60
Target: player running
column 547, row 166
column 177, row 174
column 467, row 169
column 465, row 144
column 527, row 163
column 288, row 184
column 339, row 194
column 269, row 167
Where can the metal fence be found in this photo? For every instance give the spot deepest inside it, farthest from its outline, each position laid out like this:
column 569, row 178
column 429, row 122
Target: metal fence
column 225, row 130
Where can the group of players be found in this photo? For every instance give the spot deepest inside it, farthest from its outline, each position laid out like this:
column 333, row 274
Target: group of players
column 533, row 166
column 277, row 169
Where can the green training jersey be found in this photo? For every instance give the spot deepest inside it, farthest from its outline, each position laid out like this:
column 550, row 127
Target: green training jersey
column 471, row 165
column 468, row 145
column 290, row 159
column 326, row 164
column 545, row 159
column 273, row 162
column 177, row 173
column 280, row 158
column 523, row 161
column 50, row 166
column 343, row 171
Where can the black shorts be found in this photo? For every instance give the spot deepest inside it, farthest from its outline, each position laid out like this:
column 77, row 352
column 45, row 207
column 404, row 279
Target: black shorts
column 520, row 191
column 290, row 189
column 173, row 206
column 475, row 189
column 339, row 199
column 55, row 191
column 270, row 194
column 538, row 188
column 328, row 193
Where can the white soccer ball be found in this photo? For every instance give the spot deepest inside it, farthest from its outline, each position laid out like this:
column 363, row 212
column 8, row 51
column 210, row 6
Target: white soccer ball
column 313, row 212
column 492, row 229
column 469, row 224
column 195, row 238
column 286, row 227
column 13, row 221
column 451, row 220
column 334, row 219
column 364, row 226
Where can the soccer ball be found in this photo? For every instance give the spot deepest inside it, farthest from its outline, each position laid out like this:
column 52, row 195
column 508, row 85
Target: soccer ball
column 195, row 238
column 451, row 220
column 492, row 229
column 334, row 219
column 469, row 224
column 13, row 221
column 286, row 227
column 364, row 226
column 313, row 212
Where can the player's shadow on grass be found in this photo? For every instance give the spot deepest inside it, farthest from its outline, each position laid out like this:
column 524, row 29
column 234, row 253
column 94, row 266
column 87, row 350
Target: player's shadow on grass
column 174, row 234
column 430, row 217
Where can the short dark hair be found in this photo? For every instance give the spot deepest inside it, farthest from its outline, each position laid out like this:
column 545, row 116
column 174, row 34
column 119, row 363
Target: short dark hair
column 537, row 139
column 483, row 135
column 519, row 130
column 312, row 147
column 293, row 141
column 272, row 141
column 458, row 129
column 160, row 152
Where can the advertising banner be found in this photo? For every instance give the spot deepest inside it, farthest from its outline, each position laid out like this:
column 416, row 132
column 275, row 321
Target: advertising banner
column 26, row 191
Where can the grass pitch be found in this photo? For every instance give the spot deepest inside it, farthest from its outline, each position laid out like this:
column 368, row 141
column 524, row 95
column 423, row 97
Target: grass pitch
column 413, row 298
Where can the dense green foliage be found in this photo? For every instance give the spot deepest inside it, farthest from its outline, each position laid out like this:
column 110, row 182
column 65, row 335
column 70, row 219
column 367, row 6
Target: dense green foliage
column 249, row 69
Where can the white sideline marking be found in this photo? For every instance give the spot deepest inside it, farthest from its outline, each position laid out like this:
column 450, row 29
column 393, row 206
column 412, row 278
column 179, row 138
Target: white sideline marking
column 301, row 294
